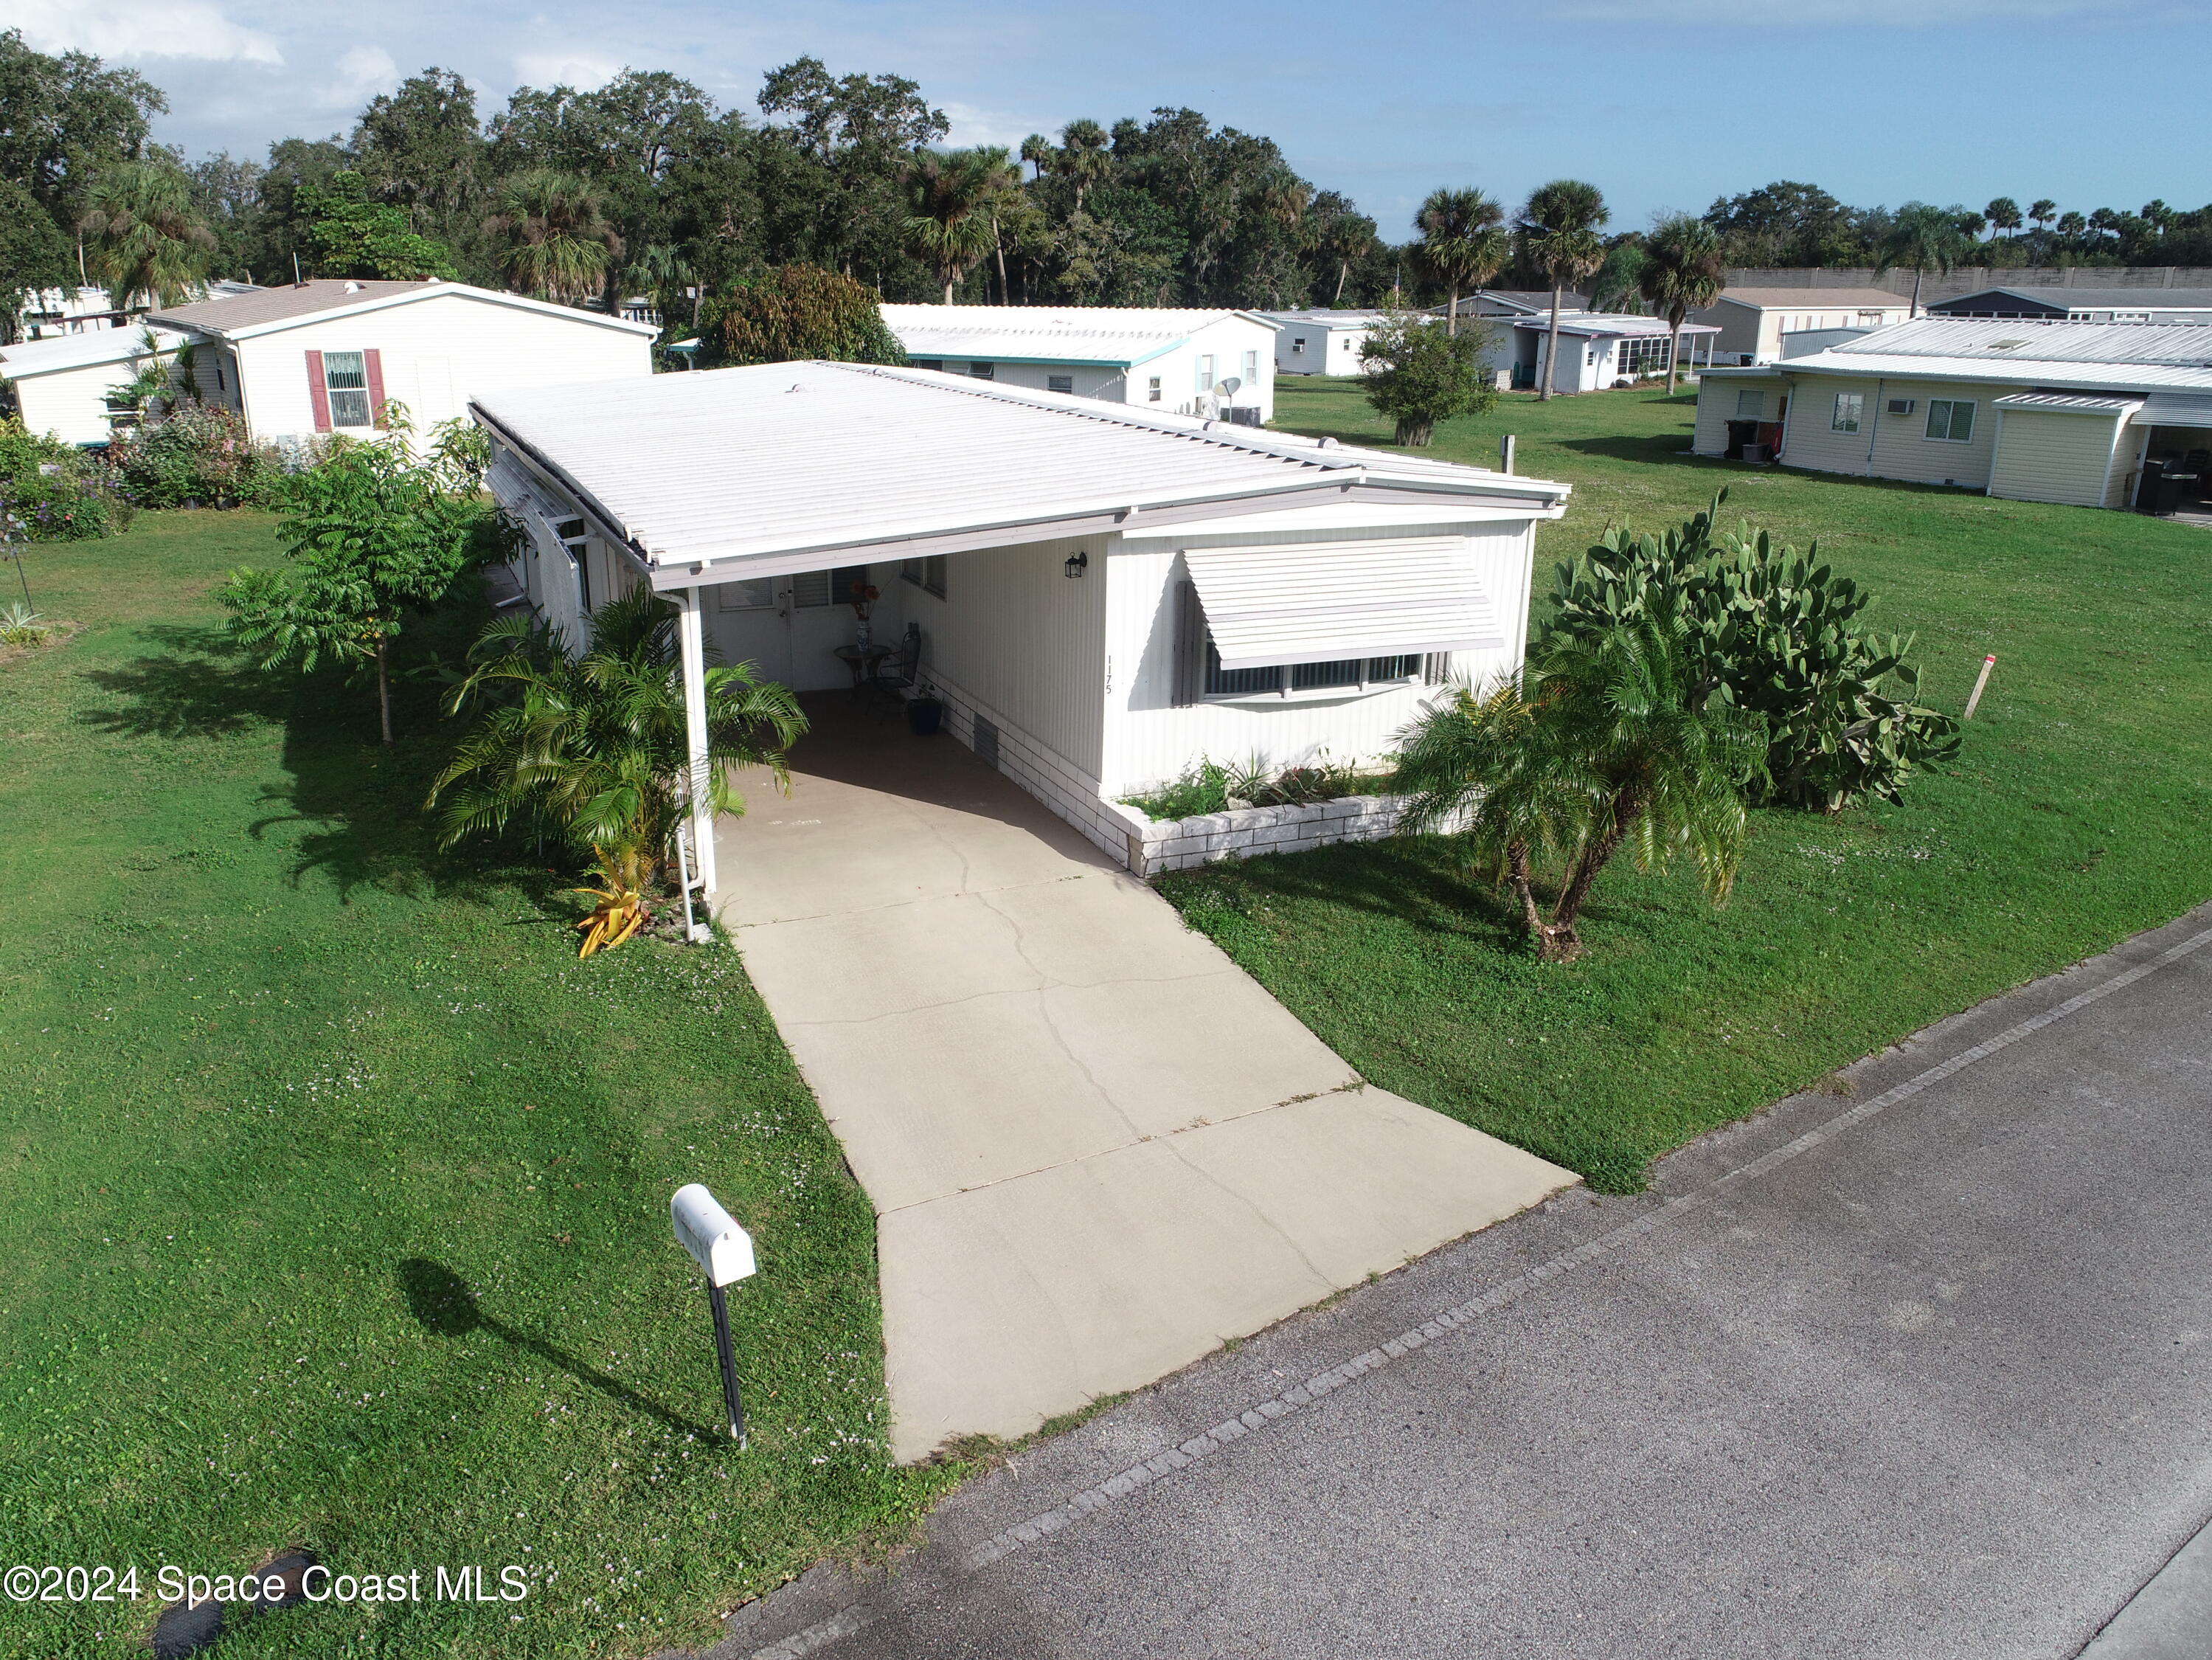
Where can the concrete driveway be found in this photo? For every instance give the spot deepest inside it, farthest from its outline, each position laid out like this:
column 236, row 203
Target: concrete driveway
column 1097, row 1149
column 1924, row 1373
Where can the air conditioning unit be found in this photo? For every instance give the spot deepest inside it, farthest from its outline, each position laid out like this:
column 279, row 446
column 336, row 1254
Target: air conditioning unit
column 1900, row 406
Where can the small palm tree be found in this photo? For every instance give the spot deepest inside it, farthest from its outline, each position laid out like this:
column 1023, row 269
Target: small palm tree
column 1084, row 158
column 595, row 748
column 143, row 235
column 1463, row 243
column 553, row 235
column 949, row 222
column 1558, row 231
column 1682, row 273
column 2042, row 211
column 1345, row 240
column 1602, row 743
column 1925, row 237
column 2003, row 214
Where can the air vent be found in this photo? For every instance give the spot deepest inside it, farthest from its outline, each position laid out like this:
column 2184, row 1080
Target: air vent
column 987, row 742
column 2006, row 345
column 1900, row 406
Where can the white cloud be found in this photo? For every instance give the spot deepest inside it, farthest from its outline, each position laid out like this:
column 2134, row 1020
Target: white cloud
column 133, row 30
column 971, row 125
column 586, row 71
column 360, row 74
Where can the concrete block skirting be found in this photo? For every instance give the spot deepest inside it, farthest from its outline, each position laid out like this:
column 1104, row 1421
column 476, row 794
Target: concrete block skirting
column 1153, row 845
column 1072, row 793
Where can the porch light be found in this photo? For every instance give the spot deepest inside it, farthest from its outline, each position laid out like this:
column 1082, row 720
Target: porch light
column 1076, row 564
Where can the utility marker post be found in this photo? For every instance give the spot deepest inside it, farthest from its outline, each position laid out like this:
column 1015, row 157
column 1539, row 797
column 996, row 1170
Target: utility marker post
column 1505, row 453
column 724, row 1252
column 1974, row 699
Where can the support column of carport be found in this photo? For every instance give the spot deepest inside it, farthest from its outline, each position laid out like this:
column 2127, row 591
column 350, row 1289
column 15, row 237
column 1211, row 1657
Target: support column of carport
column 691, row 642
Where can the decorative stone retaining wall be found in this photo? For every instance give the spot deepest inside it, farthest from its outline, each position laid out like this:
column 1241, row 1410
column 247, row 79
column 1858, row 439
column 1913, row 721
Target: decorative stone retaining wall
column 1165, row 845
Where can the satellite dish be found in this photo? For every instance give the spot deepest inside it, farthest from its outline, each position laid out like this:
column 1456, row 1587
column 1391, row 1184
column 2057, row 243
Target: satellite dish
column 1228, row 388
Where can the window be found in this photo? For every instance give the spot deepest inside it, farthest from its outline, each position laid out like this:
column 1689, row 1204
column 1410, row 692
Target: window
column 1351, row 674
column 1206, row 374
column 345, row 378
column 1251, row 369
column 754, row 593
column 812, row 589
column 1297, row 345
column 937, row 363
column 1850, row 406
column 1644, row 356
column 574, row 537
column 1154, row 391
column 927, row 575
column 984, row 371
column 1951, row 420
column 1059, row 383
column 1751, row 406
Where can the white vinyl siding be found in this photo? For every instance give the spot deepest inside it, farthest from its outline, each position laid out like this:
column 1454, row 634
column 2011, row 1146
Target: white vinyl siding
column 2053, row 457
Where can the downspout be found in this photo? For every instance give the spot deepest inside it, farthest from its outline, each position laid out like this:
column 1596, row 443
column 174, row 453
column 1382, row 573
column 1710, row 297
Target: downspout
column 690, row 638
column 1874, row 427
column 1789, row 409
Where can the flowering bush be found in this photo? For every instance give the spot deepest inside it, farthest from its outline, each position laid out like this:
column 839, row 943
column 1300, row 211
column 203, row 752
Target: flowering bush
column 53, row 492
column 198, row 454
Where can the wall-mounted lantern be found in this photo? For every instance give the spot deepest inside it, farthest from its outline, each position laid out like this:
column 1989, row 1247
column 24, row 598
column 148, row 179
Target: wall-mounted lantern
column 1076, row 564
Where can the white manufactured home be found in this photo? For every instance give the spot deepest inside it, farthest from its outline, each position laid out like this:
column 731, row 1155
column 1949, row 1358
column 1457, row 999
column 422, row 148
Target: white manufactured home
column 1101, row 596
column 325, row 356
column 2113, row 415
column 1596, row 349
column 1208, row 364
column 1323, row 342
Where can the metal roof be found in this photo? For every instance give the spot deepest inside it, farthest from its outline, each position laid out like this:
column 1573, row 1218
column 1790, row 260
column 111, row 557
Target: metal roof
column 2171, row 410
column 1327, row 318
column 27, row 358
column 2066, row 298
column 2022, row 339
column 791, row 459
column 1815, row 299
column 2064, row 403
column 1597, row 323
column 1116, row 336
column 267, row 311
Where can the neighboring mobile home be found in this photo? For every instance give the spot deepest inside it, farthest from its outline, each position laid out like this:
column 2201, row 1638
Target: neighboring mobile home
column 1751, row 322
column 1322, row 342
column 1103, row 596
column 1206, row 363
column 1596, row 347
column 2138, row 305
column 2036, row 411
column 325, row 356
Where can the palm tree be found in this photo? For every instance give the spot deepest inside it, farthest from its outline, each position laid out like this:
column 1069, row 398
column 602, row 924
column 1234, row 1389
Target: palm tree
column 144, row 236
column 1462, row 243
column 2042, row 211
column 1084, row 157
column 556, row 242
column 1347, row 238
column 1925, row 237
column 595, row 748
column 1558, row 229
column 949, row 222
column 1682, row 273
column 1036, row 150
column 1602, row 743
column 1003, row 203
column 2003, row 214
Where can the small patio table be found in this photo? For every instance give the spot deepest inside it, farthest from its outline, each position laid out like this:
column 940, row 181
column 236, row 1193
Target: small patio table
column 862, row 659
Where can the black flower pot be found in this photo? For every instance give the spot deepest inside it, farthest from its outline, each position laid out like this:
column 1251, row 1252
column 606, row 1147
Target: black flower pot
column 924, row 715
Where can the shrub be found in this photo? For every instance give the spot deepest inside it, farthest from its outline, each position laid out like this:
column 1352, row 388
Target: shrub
column 50, row 491
column 196, row 454
column 1210, row 786
column 1776, row 633
column 794, row 313
column 1420, row 374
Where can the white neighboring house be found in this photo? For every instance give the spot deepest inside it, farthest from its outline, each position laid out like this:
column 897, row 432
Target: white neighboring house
column 1102, row 595
column 1754, row 322
column 1175, row 361
column 2034, row 410
column 323, row 356
column 50, row 312
column 1322, row 342
column 60, row 385
column 1596, row 347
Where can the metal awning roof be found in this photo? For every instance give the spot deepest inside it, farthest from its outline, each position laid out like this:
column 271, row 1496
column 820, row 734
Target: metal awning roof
column 2166, row 409
column 1327, row 602
column 2067, row 403
column 792, row 463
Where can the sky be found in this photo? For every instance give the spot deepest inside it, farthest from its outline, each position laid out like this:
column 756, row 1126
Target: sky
column 1664, row 104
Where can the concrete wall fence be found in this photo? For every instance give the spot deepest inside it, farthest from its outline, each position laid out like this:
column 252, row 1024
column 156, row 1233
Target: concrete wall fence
column 1971, row 279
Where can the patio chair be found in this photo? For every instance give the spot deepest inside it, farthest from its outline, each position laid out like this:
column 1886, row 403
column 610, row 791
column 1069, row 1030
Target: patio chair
column 896, row 673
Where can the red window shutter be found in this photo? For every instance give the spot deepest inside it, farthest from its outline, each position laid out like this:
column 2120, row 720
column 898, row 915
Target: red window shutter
column 318, row 393
column 374, row 361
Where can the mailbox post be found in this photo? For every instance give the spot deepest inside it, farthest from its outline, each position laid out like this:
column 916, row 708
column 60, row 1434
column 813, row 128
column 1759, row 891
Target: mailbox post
column 724, row 1252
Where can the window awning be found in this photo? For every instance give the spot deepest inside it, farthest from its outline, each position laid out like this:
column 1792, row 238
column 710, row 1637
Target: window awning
column 1325, row 602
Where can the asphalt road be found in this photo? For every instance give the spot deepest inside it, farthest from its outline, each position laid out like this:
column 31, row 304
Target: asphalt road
column 1919, row 1371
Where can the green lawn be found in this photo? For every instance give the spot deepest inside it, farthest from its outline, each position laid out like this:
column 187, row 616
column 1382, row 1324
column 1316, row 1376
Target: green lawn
column 2074, row 816
column 333, row 1188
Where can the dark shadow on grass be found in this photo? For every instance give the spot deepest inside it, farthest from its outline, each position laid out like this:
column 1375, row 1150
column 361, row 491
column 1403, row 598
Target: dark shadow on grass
column 443, row 1305
column 201, row 686
column 1673, row 449
column 1420, row 880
